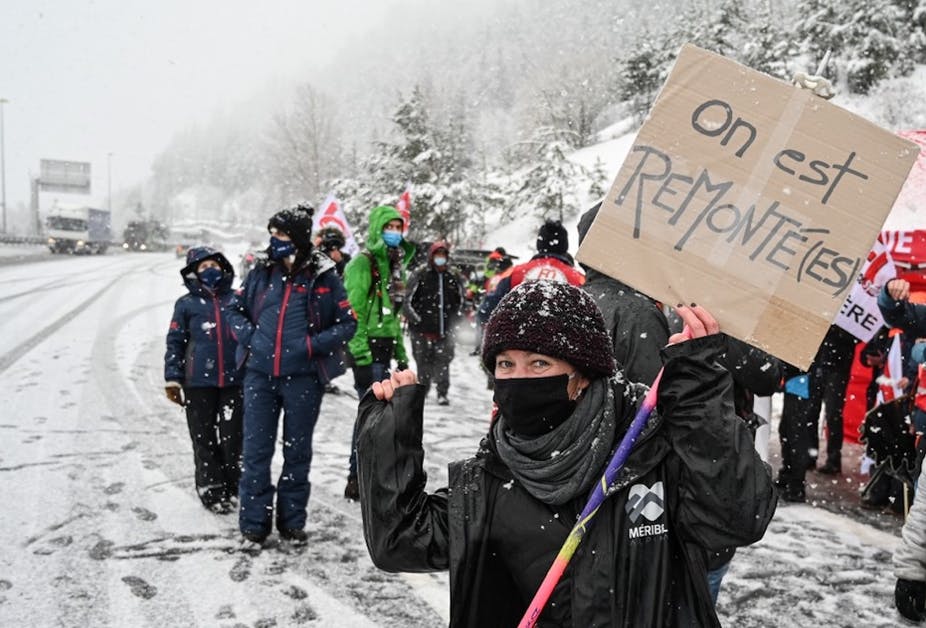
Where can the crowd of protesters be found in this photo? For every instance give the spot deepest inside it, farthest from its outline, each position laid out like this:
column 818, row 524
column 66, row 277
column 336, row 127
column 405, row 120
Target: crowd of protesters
column 568, row 353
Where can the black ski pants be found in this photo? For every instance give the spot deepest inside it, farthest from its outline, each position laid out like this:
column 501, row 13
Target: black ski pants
column 214, row 420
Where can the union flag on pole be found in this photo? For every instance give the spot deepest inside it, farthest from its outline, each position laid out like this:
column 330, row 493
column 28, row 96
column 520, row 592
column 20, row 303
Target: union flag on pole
column 405, row 206
column 889, row 382
column 332, row 215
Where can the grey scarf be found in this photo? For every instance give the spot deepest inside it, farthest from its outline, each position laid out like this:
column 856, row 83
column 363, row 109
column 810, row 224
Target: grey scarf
column 563, row 464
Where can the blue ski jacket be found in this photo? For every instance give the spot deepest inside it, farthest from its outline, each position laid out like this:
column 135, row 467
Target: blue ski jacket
column 200, row 342
column 294, row 323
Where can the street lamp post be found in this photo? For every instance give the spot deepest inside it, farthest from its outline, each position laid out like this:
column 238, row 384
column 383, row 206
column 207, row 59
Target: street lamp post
column 3, row 101
column 109, row 182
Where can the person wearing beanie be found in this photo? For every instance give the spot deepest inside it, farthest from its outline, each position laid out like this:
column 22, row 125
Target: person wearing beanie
column 331, row 242
column 692, row 483
column 376, row 282
column 433, row 305
column 203, row 378
column 552, row 262
column 292, row 322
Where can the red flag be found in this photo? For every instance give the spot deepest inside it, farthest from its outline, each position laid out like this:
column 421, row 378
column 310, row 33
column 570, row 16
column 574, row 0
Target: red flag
column 888, row 383
column 405, row 207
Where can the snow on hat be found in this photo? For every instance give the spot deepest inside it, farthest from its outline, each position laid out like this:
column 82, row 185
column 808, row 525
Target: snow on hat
column 553, row 318
column 296, row 222
column 553, row 238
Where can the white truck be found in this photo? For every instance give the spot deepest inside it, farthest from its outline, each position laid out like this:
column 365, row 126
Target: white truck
column 78, row 229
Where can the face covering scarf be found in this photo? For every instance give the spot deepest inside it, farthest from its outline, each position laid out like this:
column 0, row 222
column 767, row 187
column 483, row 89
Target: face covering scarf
column 561, row 464
column 534, row 405
column 210, row 277
column 281, row 249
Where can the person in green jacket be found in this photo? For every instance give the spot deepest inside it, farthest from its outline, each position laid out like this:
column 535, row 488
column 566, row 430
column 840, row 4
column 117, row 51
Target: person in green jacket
column 375, row 283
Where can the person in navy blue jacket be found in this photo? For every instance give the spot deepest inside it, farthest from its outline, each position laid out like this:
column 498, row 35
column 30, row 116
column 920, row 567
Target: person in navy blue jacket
column 202, row 377
column 293, row 319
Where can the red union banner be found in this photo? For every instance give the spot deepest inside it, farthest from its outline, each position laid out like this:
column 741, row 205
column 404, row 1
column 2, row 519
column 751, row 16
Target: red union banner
column 405, row 207
column 895, row 254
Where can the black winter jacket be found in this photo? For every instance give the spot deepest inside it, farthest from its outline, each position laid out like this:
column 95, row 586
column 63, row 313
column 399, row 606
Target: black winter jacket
column 695, row 462
column 637, row 327
column 434, row 300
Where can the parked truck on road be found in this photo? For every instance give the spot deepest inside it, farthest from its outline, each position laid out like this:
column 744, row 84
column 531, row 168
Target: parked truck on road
column 78, row 229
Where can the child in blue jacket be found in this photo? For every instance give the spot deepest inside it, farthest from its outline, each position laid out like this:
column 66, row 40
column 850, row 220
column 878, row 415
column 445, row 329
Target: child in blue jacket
column 202, row 377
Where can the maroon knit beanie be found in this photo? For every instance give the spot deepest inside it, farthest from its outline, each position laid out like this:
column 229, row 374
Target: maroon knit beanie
column 552, row 318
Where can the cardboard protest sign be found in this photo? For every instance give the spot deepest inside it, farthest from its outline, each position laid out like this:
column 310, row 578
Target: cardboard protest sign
column 751, row 197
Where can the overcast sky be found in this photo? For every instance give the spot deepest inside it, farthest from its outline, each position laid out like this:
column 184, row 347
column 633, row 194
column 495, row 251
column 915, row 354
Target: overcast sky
column 86, row 78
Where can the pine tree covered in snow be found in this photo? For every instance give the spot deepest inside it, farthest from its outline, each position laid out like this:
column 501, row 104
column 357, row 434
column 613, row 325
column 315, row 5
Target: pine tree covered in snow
column 548, row 187
column 869, row 39
column 448, row 197
column 768, row 46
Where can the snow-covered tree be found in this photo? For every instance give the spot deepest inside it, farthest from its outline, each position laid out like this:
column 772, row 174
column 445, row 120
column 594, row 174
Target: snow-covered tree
column 302, row 148
column 867, row 38
column 768, row 46
column 448, row 197
column 548, row 188
column 599, row 180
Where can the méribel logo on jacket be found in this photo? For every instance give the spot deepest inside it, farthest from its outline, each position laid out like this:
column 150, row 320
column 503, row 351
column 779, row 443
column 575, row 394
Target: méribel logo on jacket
column 645, row 509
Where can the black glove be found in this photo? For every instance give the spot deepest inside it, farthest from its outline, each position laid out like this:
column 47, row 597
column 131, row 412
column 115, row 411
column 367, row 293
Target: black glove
column 910, row 599
column 363, row 376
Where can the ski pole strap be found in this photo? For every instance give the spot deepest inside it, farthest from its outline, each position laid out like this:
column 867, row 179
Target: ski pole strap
column 591, row 507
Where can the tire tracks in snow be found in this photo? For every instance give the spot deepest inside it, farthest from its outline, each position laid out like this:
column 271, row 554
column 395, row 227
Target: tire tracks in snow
column 11, row 357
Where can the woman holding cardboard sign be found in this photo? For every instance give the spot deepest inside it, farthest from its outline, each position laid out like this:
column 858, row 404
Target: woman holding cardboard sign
column 692, row 482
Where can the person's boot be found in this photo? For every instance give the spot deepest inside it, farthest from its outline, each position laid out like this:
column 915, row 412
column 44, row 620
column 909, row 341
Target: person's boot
column 442, row 400
column 830, row 468
column 791, row 491
column 294, row 536
column 352, row 490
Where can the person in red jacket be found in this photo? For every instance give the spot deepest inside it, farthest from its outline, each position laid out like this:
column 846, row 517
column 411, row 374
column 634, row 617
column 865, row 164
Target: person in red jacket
column 552, row 262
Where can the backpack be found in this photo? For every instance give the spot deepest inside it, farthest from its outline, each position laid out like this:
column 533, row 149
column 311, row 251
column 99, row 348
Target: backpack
column 885, row 431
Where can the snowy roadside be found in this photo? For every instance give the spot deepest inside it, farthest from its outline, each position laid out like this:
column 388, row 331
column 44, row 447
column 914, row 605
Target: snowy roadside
column 102, row 526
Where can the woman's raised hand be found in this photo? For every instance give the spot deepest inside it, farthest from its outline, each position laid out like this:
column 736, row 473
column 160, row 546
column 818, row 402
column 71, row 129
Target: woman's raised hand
column 698, row 322
column 385, row 389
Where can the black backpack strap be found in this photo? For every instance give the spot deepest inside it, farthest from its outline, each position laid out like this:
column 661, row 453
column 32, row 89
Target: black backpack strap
column 374, row 273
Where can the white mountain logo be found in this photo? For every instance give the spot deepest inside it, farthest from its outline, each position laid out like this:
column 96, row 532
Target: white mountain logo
column 648, row 501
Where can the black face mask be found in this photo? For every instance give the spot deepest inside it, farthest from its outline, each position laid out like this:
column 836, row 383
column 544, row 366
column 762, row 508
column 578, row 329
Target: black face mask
column 533, row 406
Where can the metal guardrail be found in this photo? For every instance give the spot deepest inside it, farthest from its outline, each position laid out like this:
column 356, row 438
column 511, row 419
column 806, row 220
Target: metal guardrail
column 6, row 238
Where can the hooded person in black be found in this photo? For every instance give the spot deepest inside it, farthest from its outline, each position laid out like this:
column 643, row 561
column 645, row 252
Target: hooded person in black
column 692, row 484
column 433, row 305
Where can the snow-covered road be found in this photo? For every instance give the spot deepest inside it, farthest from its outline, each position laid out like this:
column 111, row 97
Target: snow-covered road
column 100, row 525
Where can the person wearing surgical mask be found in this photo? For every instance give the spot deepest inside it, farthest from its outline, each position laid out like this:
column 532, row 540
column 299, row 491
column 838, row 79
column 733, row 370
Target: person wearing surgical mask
column 691, row 484
column 433, row 307
column 203, row 377
column 375, row 283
